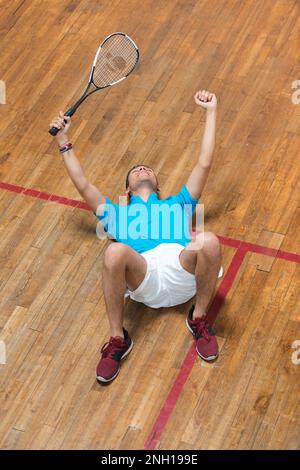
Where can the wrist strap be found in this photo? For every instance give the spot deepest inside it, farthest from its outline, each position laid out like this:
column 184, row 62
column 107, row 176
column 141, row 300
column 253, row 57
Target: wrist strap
column 61, row 146
column 67, row 146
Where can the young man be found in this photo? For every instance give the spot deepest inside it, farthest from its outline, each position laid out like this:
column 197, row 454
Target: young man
column 157, row 270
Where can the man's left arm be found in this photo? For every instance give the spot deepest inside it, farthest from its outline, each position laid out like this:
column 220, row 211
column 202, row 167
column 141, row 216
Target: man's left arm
column 197, row 179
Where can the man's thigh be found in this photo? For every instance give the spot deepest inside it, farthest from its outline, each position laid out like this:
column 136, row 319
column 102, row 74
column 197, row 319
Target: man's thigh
column 136, row 268
column 188, row 260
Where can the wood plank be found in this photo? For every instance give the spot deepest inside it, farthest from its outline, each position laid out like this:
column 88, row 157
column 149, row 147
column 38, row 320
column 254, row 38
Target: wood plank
column 52, row 311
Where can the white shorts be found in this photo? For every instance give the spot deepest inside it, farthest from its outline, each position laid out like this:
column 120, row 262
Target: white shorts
column 166, row 282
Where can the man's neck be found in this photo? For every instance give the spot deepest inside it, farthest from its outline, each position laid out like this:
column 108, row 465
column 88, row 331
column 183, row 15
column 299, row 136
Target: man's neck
column 143, row 193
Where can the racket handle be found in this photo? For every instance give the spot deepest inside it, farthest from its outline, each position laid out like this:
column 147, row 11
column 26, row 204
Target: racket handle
column 53, row 131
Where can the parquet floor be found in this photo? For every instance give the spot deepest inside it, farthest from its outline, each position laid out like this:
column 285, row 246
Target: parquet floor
column 52, row 315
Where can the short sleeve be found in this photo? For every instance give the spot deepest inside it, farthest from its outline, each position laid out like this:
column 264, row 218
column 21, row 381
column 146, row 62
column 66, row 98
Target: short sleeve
column 184, row 198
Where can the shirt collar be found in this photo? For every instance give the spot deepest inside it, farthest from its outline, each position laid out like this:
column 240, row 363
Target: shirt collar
column 137, row 199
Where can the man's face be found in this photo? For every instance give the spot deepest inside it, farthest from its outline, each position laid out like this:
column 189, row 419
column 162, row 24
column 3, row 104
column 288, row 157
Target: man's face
column 142, row 176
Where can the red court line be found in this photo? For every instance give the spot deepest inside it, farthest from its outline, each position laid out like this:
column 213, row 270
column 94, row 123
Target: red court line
column 45, row 196
column 264, row 250
column 229, row 241
column 169, row 405
column 226, row 284
column 11, row 187
column 191, row 356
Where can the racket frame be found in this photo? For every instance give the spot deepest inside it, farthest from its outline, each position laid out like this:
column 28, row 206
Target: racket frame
column 85, row 94
column 98, row 52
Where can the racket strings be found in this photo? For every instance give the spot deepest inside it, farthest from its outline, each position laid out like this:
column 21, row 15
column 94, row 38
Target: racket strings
column 116, row 59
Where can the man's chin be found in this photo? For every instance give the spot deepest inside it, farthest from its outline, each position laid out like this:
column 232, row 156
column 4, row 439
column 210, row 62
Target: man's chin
column 146, row 183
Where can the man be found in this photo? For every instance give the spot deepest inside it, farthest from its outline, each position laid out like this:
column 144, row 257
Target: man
column 155, row 270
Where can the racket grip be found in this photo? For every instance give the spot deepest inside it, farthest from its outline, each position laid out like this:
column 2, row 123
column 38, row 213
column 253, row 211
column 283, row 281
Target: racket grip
column 53, row 131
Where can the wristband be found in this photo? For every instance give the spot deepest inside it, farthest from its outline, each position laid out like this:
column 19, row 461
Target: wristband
column 61, row 146
column 67, row 146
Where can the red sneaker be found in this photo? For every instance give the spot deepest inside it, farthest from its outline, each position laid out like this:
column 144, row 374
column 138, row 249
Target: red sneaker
column 206, row 343
column 111, row 354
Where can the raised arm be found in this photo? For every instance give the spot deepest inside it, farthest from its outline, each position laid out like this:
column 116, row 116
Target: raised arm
column 89, row 192
column 198, row 177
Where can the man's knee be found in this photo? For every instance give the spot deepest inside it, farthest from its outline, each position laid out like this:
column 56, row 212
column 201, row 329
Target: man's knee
column 114, row 255
column 211, row 245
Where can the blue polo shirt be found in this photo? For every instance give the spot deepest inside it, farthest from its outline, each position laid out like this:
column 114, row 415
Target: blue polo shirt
column 143, row 225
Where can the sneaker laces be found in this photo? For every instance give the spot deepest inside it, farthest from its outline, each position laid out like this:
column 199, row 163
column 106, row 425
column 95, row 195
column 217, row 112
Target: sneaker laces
column 109, row 347
column 202, row 329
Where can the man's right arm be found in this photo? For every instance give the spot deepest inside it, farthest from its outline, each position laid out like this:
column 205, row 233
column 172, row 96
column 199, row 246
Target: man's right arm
column 88, row 191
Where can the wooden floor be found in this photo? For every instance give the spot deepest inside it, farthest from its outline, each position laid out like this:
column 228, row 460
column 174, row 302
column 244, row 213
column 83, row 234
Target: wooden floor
column 52, row 315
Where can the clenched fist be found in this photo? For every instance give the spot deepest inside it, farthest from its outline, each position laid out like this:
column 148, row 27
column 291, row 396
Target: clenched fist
column 205, row 99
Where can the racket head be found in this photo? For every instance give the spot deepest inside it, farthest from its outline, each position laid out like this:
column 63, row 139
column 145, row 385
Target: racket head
column 116, row 57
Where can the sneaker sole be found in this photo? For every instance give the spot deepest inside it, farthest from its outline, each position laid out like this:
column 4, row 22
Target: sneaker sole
column 102, row 379
column 209, row 358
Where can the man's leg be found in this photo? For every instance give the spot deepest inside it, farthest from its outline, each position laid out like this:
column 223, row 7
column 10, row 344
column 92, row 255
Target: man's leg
column 205, row 264
column 122, row 267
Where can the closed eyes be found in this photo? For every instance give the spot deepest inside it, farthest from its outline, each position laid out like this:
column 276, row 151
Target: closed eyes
column 142, row 168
